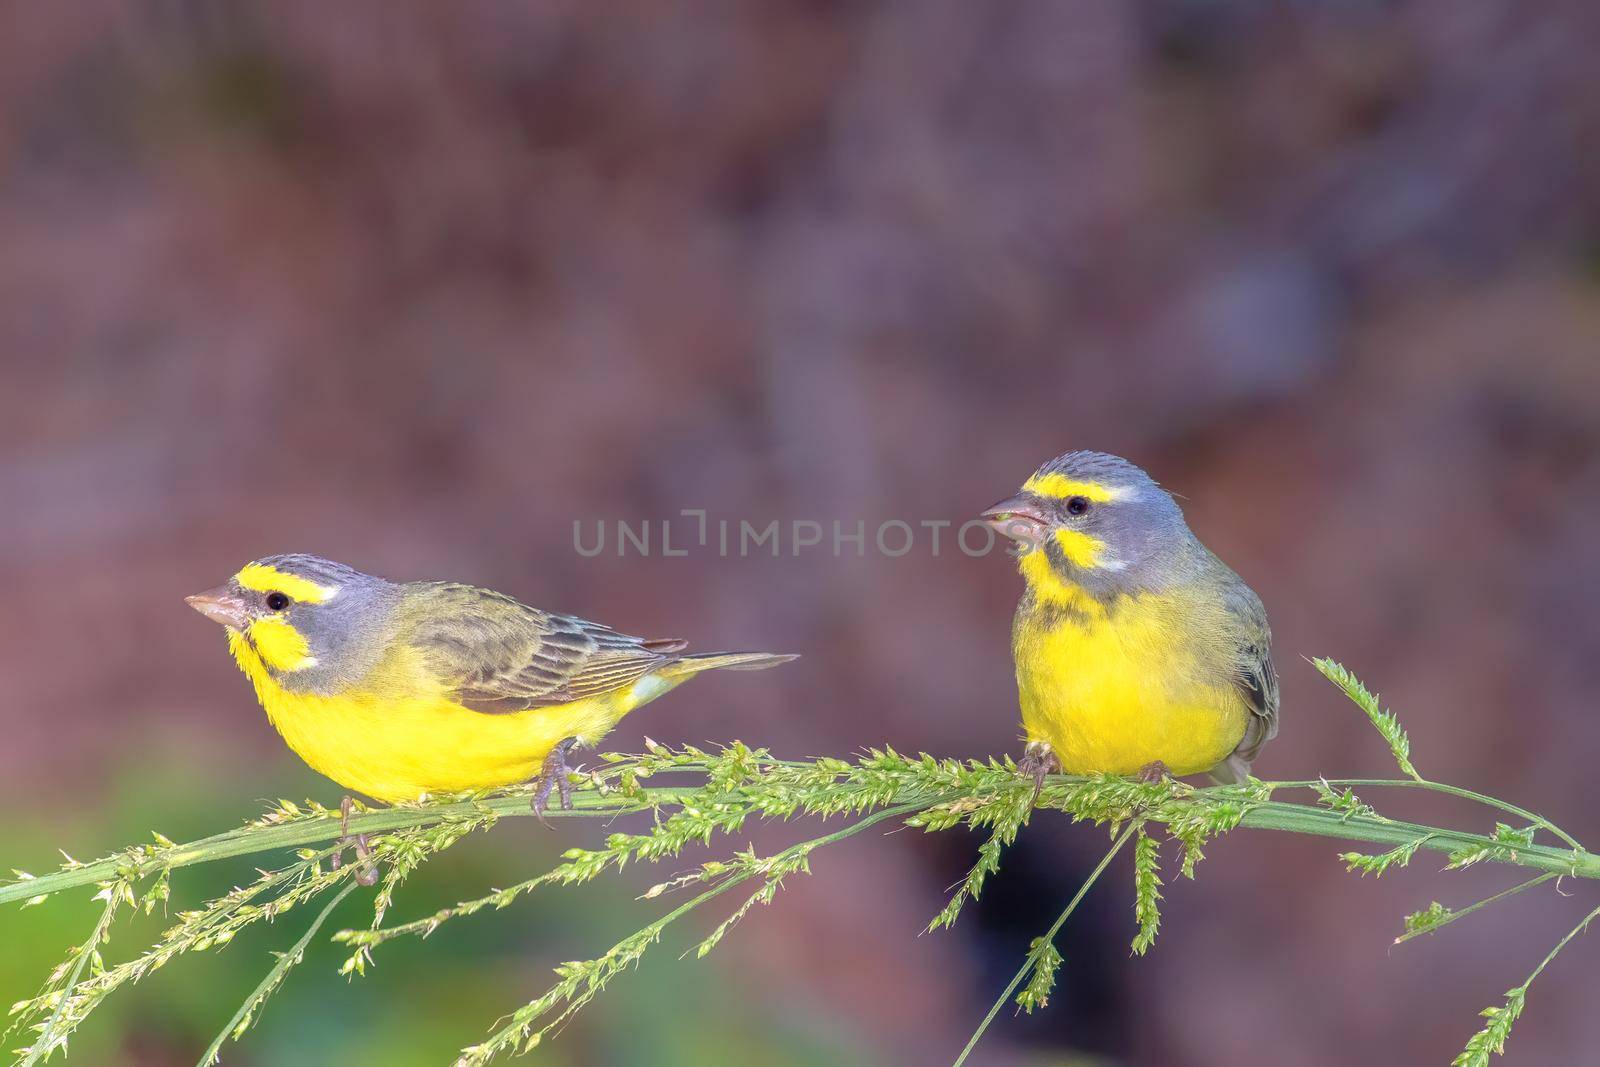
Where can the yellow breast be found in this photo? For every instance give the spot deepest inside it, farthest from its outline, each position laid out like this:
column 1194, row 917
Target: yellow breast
column 409, row 740
column 1115, row 688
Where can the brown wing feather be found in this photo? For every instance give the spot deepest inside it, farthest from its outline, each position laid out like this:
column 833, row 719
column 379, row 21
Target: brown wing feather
column 497, row 655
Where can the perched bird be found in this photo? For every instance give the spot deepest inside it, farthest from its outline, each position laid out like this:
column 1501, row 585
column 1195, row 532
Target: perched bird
column 1137, row 650
column 396, row 689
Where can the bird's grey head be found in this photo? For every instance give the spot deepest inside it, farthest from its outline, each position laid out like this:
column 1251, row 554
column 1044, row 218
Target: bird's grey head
column 1097, row 522
column 317, row 626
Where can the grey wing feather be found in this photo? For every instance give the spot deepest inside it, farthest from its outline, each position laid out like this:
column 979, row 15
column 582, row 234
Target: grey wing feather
column 1256, row 677
column 498, row 655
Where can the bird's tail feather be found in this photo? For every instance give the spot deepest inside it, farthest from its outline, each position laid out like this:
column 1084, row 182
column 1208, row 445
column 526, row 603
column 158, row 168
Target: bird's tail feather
column 733, row 661
column 1235, row 770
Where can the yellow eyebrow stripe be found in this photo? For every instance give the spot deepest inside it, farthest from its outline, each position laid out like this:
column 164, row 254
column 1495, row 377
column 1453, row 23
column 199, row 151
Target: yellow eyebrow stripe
column 265, row 579
column 1059, row 487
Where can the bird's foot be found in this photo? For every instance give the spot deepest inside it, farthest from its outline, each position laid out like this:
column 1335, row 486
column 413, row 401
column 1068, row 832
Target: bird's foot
column 1154, row 772
column 553, row 777
column 1038, row 760
column 368, row 874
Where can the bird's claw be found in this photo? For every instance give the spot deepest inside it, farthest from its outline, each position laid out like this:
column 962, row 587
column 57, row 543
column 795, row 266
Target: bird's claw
column 1155, row 771
column 368, row 872
column 1038, row 761
column 553, row 776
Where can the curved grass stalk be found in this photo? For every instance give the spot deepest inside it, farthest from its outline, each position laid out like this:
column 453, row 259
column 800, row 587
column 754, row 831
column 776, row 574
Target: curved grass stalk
column 279, row 830
column 1439, row 787
column 53, row 1034
column 145, row 861
column 1491, row 1040
column 727, row 789
column 280, row 970
column 1301, row 819
column 1436, row 916
column 581, row 982
column 1047, row 942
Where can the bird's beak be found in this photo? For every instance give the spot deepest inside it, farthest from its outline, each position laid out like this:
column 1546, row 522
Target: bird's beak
column 1018, row 518
column 221, row 605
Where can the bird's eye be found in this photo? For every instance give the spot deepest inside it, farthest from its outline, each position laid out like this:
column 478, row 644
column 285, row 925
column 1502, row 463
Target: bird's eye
column 1077, row 505
column 277, row 601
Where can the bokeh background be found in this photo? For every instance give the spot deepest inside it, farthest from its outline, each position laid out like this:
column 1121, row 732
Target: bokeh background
column 415, row 286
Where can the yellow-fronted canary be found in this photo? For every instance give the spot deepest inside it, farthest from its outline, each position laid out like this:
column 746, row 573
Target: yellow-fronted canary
column 1137, row 650
column 397, row 689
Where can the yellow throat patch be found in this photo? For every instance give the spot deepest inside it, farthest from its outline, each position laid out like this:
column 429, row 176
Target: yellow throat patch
column 277, row 645
column 1050, row 587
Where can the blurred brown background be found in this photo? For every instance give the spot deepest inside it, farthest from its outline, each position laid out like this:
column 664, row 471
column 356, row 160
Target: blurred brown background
column 415, row 286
